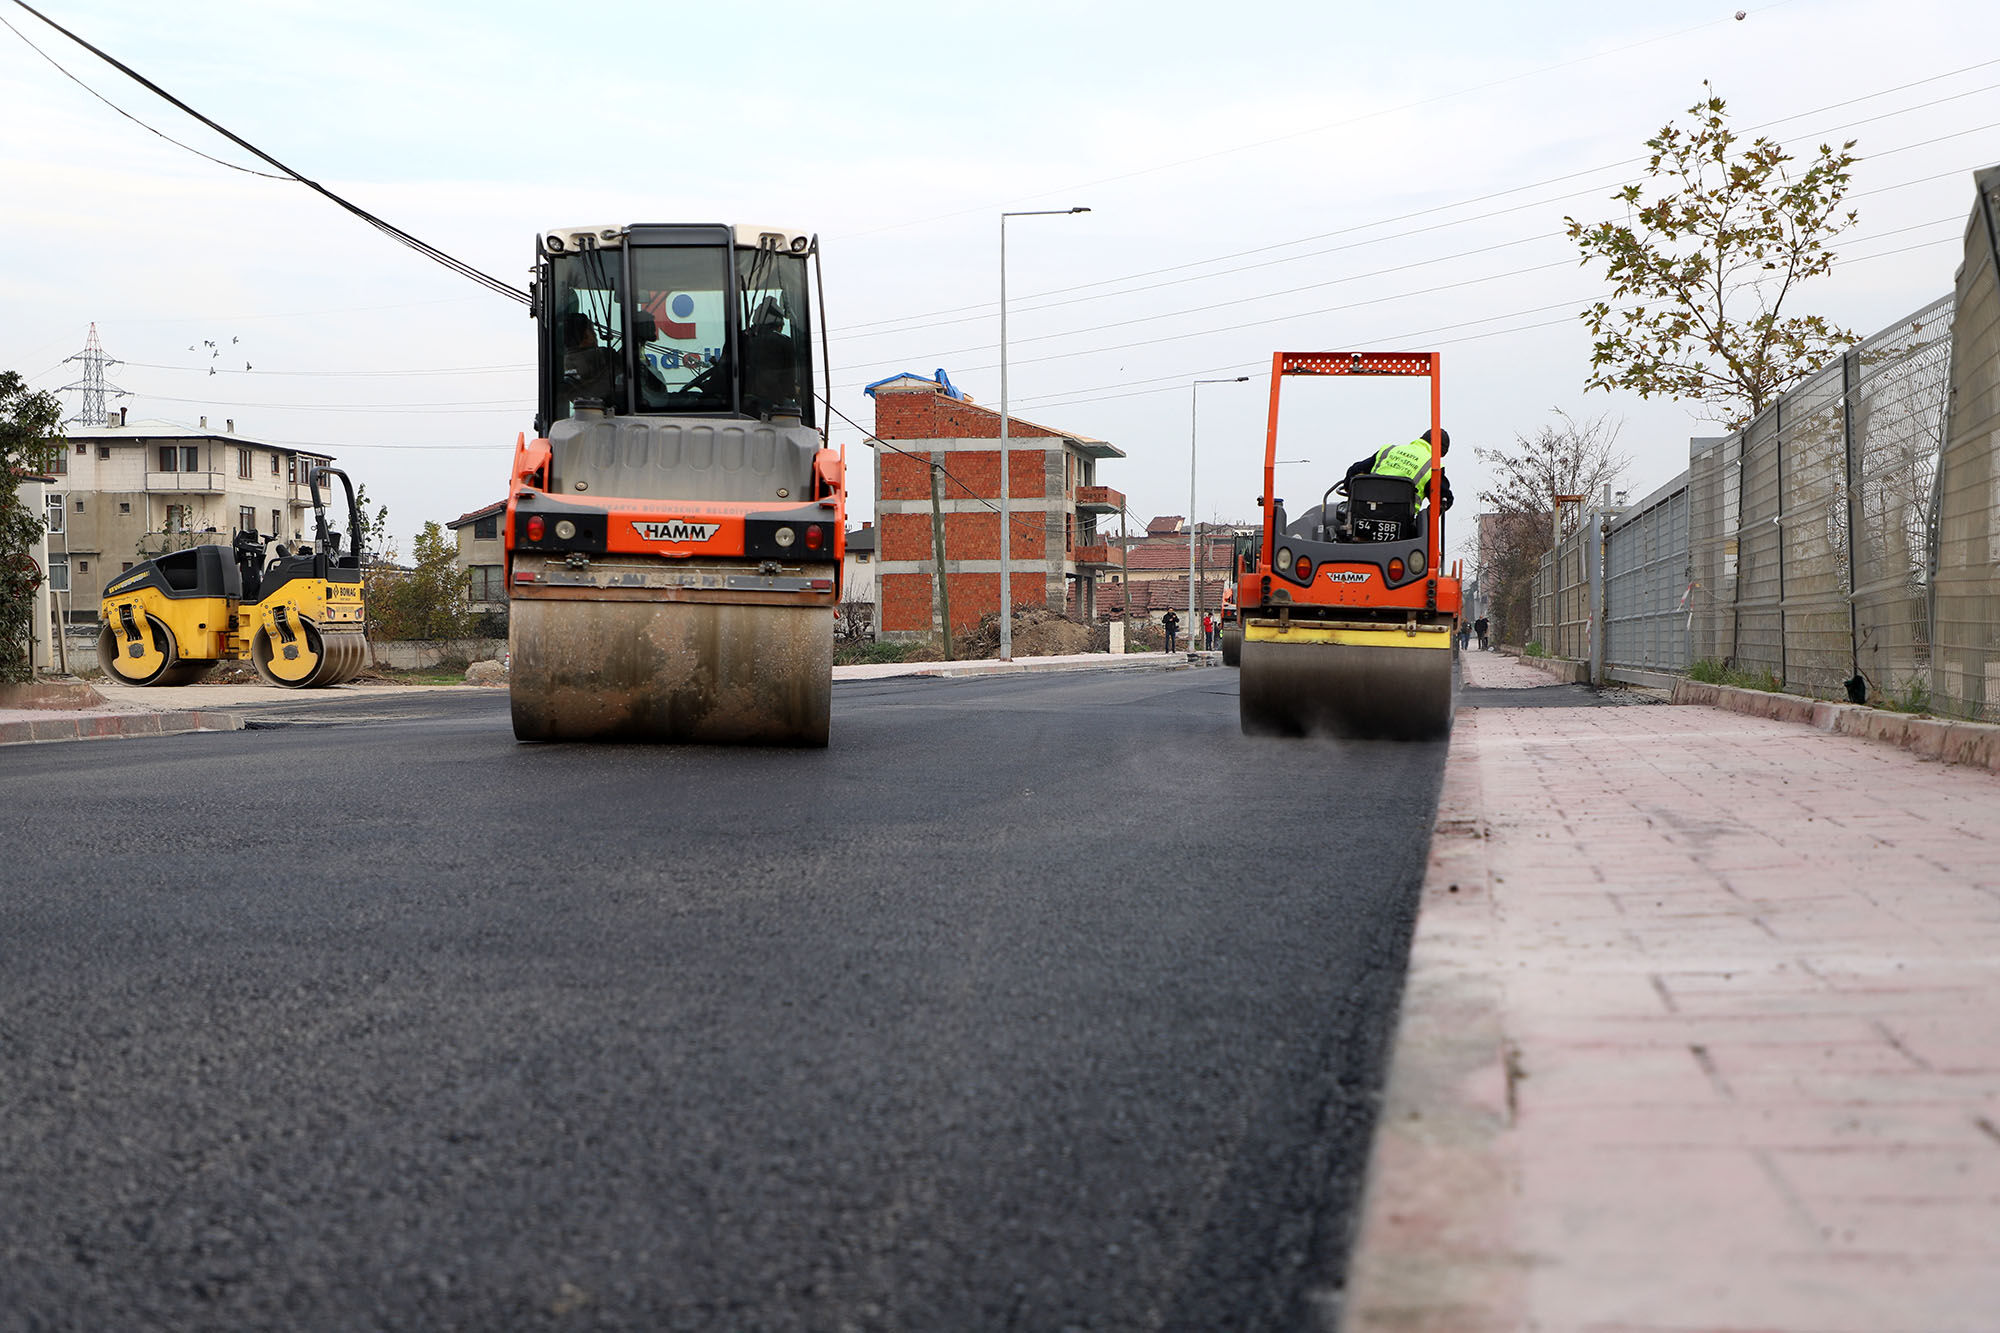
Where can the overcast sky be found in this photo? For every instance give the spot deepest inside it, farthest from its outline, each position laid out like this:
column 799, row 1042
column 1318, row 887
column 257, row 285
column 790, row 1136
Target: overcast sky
column 1261, row 177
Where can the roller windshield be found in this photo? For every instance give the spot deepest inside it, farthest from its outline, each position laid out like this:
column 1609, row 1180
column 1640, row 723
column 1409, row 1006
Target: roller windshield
column 703, row 344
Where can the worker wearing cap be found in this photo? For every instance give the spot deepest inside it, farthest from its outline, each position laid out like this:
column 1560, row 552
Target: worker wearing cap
column 1412, row 460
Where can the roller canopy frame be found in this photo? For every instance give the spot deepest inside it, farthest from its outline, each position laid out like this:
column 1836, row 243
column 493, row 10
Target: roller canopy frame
column 1428, row 365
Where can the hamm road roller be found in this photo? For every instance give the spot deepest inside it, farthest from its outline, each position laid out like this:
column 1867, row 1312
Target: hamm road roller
column 674, row 534
column 295, row 614
column 1347, row 618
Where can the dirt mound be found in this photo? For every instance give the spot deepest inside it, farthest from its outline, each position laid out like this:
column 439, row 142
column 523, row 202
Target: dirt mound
column 1038, row 632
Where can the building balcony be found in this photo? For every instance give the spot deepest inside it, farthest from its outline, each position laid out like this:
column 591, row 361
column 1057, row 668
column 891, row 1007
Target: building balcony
column 1099, row 500
column 197, row 483
column 1101, row 556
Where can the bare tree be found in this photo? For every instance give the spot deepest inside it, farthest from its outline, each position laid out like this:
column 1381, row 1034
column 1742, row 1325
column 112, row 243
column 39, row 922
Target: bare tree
column 1570, row 457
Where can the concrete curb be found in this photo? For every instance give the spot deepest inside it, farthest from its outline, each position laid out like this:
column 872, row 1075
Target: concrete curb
column 49, row 694
column 1435, row 1247
column 1564, row 670
column 1953, row 742
column 61, row 726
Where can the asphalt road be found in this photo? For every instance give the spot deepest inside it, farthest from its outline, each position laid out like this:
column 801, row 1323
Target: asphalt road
column 1040, row 1003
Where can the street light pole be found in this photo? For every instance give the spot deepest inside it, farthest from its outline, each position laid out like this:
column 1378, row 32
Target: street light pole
column 1006, row 508
column 1194, row 408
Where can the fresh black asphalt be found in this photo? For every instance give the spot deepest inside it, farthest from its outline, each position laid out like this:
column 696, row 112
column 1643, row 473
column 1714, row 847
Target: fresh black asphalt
column 1040, row 1003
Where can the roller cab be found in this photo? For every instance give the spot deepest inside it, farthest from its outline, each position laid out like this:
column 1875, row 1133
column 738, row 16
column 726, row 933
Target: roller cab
column 674, row 534
column 1346, row 619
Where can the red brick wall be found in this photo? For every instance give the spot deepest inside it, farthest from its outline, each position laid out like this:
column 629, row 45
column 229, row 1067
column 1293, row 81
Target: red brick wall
column 932, row 416
column 971, row 472
column 906, row 602
column 902, row 477
column 972, row 536
column 906, row 537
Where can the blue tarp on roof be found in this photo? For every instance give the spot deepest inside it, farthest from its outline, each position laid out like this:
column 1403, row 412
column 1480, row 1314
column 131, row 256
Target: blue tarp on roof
column 942, row 380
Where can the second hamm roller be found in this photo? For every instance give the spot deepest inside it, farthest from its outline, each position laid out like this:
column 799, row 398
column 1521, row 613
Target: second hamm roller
column 674, row 535
column 1347, row 620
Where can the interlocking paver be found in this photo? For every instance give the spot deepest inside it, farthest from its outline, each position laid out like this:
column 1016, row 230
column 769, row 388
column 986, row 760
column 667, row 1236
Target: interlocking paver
column 1741, row 983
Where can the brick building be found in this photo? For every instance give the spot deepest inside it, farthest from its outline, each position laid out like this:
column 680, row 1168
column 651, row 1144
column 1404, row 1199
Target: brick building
column 1056, row 555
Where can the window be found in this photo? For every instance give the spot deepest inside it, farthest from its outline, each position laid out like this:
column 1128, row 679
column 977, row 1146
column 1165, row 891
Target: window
column 243, row 465
column 124, row 506
column 292, row 474
column 488, row 584
column 79, row 504
column 59, row 573
column 170, row 458
column 246, row 519
column 190, row 458
column 59, row 463
column 82, row 449
column 83, row 566
column 55, row 513
column 274, row 465
column 103, row 451
column 486, row 529
column 274, row 513
column 124, row 565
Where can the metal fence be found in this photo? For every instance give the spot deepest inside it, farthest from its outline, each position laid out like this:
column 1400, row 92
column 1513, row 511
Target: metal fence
column 1851, row 530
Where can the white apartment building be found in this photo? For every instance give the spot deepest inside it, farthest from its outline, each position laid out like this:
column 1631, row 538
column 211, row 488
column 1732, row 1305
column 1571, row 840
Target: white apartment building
column 125, row 492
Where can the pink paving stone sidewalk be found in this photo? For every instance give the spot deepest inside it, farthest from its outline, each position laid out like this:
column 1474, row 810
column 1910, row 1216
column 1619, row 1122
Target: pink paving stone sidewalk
column 1702, row 1032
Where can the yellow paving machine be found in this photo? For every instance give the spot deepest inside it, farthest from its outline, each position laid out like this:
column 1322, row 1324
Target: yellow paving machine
column 295, row 614
column 674, row 533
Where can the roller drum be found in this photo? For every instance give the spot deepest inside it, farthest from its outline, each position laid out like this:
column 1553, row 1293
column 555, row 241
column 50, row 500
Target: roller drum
column 1360, row 691
column 1232, row 647
column 673, row 671
column 322, row 660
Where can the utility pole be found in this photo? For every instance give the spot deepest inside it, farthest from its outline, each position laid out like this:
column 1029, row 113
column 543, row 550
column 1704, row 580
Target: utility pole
column 937, row 559
column 1006, row 507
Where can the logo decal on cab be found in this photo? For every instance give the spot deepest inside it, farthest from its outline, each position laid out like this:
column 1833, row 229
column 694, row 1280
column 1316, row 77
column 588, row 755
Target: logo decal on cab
column 678, row 530
column 1345, row 576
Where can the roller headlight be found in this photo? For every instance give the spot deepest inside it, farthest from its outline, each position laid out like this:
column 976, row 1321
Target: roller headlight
column 1416, row 562
column 784, row 536
column 565, row 530
column 1283, row 560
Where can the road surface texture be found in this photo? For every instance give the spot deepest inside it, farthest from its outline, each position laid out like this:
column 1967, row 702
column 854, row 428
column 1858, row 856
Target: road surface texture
column 1034, row 1003
column 1700, row 1034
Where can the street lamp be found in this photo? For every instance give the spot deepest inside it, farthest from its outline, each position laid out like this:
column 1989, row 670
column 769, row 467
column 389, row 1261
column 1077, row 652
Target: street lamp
column 1006, row 508
column 1194, row 405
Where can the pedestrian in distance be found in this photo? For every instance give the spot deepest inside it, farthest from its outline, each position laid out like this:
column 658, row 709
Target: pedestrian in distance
column 1208, row 630
column 1171, row 623
column 1479, row 628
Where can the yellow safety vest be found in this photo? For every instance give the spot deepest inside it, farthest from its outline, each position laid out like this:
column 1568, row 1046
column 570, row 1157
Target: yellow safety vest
column 1412, row 460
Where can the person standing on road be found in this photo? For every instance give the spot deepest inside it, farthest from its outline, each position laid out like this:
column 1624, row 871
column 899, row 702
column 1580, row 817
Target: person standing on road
column 1170, row 623
column 1208, row 630
column 1479, row 628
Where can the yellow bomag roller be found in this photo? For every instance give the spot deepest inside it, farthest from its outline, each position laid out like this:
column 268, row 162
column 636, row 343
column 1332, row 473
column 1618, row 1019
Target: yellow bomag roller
column 1347, row 619
column 297, row 616
column 674, row 535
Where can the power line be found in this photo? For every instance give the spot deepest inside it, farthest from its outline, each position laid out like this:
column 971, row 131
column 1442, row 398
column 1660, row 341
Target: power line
column 233, row 166
column 388, row 229
column 1172, row 383
column 987, row 307
column 1331, row 125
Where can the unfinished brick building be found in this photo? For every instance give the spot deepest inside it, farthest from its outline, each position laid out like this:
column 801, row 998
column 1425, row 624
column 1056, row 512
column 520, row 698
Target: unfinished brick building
column 1056, row 554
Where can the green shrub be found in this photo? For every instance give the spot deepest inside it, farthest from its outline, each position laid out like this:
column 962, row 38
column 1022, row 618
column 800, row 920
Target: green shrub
column 1534, row 649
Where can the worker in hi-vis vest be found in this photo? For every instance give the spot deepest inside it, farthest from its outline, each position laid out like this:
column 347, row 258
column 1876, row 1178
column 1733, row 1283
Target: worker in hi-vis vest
column 1412, row 460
